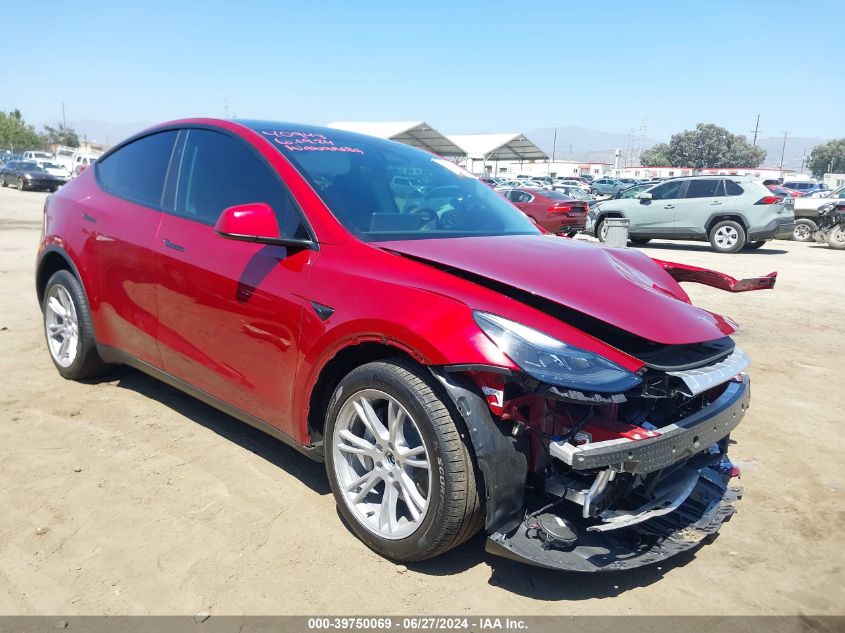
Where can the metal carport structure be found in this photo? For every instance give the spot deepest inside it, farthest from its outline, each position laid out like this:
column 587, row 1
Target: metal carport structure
column 414, row 133
column 496, row 147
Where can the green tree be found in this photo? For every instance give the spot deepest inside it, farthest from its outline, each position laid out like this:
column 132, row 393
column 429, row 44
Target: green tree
column 60, row 135
column 16, row 135
column 708, row 146
column 656, row 156
column 828, row 158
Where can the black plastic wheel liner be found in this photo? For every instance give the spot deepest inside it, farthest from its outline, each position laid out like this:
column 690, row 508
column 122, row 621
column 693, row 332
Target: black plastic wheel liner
column 503, row 467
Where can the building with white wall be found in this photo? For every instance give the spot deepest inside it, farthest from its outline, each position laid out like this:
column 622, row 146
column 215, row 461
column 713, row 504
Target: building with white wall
column 554, row 169
column 644, row 173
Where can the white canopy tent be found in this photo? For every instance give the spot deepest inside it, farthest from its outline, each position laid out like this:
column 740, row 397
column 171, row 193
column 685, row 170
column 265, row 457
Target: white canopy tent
column 414, row 133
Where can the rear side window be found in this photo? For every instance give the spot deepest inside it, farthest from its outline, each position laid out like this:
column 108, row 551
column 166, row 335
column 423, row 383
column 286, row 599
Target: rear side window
column 136, row 171
column 667, row 191
column 219, row 172
column 705, row 188
column 733, row 188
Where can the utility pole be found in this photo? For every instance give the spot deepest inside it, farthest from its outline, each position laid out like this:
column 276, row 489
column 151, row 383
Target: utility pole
column 783, row 151
column 803, row 158
column 64, row 123
column 756, row 129
column 554, row 145
column 570, row 151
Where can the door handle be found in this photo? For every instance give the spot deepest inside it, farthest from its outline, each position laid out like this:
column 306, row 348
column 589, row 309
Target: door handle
column 715, row 203
column 669, row 206
column 89, row 218
column 175, row 247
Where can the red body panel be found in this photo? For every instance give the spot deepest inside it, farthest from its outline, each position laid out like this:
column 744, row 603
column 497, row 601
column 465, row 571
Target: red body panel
column 234, row 318
column 621, row 287
column 707, row 277
column 115, row 242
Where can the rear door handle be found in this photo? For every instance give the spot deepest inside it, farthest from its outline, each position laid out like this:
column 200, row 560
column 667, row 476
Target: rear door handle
column 175, row 247
column 89, row 218
column 715, row 203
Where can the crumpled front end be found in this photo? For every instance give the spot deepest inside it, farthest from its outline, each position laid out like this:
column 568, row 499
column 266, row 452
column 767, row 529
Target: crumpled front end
column 610, row 481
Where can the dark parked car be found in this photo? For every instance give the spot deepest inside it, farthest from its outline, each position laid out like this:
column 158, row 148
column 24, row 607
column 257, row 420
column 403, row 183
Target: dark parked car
column 552, row 210
column 28, row 175
column 456, row 368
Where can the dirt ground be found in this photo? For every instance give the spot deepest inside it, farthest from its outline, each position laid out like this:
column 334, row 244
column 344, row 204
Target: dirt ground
column 127, row 497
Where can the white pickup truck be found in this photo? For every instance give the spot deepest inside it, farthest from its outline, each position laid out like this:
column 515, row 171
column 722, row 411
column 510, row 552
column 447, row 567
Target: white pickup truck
column 807, row 212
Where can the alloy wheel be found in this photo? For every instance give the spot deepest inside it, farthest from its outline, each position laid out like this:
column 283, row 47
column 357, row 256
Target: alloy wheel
column 726, row 237
column 382, row 465
column 62, row 325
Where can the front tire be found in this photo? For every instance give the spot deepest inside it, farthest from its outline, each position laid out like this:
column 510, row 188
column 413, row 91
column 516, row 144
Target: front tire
column 640, row 240
column 402, row 477
column 21, row 184
column 69, row 329
column 727, row 236
column 803, row 231
column 601, row 231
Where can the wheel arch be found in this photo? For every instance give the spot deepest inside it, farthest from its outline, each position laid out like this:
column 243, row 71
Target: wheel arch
column 53, row 259
column 333, row 371
column 720, row 217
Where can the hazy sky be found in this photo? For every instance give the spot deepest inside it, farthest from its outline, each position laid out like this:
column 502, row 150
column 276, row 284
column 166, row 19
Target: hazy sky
column 461, row 66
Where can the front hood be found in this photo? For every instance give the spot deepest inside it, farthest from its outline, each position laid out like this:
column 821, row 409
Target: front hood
column 619, row 286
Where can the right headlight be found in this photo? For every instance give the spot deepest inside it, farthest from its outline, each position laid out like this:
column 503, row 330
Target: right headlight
column 552, row 361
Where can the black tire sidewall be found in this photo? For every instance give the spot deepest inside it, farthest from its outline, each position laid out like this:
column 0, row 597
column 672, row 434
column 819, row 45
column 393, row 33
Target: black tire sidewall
column 740, row 244
column 408, row 548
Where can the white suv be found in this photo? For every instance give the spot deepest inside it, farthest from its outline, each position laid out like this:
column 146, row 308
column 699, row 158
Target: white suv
column 732, row 212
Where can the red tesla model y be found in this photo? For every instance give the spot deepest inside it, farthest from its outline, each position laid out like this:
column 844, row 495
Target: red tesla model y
column 454, row 367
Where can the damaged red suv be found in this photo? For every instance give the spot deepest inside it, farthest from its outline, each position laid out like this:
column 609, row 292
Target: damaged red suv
column 456, row 369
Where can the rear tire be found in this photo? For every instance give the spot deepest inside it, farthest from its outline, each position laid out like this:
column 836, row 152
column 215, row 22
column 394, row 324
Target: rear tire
column 727, row 236
column 640, row 240
column 601, row 231
column 369, row 459
column 804, row 230
column 69, row 329
column 836, row 237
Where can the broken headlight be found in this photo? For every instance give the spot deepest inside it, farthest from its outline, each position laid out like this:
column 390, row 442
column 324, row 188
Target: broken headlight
column 552, row 361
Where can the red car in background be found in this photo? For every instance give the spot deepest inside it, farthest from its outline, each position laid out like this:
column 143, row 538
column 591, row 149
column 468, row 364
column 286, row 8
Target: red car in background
column 454, row 367
column 785, row 191
column 552, row 210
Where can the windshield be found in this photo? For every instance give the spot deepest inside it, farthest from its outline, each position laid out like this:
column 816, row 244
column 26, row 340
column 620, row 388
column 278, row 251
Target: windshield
column 29, row 167
column 364, row 181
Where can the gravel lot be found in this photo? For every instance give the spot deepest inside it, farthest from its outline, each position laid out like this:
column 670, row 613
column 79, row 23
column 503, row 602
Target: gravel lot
column 127, row 497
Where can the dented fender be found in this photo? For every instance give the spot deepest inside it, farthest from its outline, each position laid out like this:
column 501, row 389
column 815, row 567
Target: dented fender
column 709, row 277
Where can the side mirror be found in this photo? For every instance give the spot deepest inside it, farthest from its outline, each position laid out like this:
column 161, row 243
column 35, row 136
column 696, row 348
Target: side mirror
column 644, row 195
column 255, row 222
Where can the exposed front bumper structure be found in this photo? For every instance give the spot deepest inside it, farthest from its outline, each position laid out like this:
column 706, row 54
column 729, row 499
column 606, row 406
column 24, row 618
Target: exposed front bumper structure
column 676, row 441
column 683, row 478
